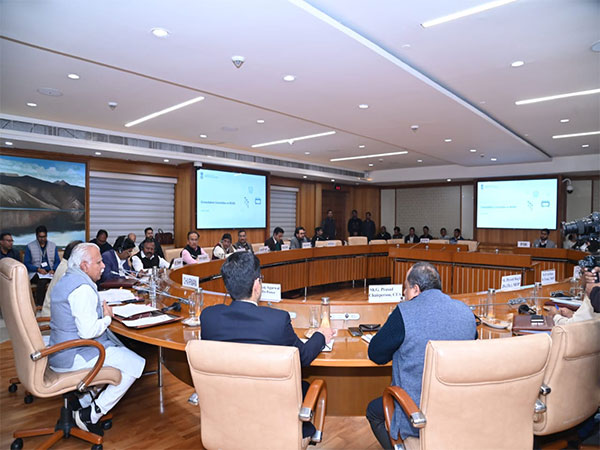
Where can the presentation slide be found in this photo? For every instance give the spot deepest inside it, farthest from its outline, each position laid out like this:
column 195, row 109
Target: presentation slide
column 525, row 204
column 230, row 200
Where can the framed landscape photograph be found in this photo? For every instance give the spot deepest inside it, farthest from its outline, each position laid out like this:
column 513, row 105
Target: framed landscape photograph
column 37, row 192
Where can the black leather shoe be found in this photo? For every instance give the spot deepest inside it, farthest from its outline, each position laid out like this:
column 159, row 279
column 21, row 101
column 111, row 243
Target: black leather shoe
column 83, row 421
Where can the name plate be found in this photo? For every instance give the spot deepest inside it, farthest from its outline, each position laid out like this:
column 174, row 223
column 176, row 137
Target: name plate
column 190, row 281
column 292, row 314
column 263, row 249
column 424, row 241
column 271, row 292
column 385, row 293
column 330, row 243
column 285, row 247
column 344, row 316
column 526, row 244
column 202, row 258
column 511, row 282
column 548, row 276
column 177, row 263
column 306, row 245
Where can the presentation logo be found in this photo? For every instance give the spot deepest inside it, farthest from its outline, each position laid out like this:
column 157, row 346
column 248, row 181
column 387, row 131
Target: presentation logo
column 257, row 201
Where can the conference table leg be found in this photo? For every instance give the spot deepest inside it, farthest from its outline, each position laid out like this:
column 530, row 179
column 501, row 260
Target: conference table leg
column 159, row 367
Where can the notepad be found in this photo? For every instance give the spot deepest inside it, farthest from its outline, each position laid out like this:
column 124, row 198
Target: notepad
column 367, row 338
column 116, row 296
column 152, row 320
column 327, row 348
column 132, row 310
column 565, row 301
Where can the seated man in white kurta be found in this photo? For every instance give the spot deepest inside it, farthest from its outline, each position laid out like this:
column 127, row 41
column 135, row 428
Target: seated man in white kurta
column 78, row 313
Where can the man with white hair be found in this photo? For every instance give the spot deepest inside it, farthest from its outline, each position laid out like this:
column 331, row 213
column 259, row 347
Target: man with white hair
column 78, row 313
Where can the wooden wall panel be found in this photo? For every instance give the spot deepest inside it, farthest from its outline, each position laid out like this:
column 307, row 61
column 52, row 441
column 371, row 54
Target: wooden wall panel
column 290, row 276
column 502, row 238
column 477, row 279
column 378, row 267
column 334, row 270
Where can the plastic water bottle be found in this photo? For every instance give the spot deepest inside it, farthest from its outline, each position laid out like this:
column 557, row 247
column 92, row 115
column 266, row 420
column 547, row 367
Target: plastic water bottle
column 152, row 293
column 325, row 312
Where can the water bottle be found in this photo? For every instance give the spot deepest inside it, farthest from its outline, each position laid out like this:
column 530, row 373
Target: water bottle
column 491, row 299
column 539, row 302
column 325, row 312
column 196, row 300
column 152, row 292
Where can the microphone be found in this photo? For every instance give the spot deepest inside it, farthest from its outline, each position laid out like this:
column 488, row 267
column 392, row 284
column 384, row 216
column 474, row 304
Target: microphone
column 127, row 277
column 176, row 306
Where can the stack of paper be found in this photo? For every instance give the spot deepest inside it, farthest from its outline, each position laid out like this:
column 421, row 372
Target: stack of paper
column 153, row 320
column 116, row 296
column 132, row 310
column 367, row 337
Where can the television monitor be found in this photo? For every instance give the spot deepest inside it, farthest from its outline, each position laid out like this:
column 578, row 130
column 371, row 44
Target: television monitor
column 230, row 200
column 517, row 204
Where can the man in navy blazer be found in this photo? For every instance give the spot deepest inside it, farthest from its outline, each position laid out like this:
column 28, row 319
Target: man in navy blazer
column 115, row 259
column 244, row 321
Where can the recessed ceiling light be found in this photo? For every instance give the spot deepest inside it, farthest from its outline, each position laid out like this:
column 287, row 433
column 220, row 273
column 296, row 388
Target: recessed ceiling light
column 517, row 64
column 557, row 96
column 448, row 140
column 473, row 150
column 564, row 120
column 289, row 78
column 307, row 153
column 493, row 159
column 349, row 158
column 362, row 146
column 363, row 106
column 466, row 12
column 482, row 102
column 97, row 153
column 371, row 165
column 304, row 176
column 160, row 32
column 165, row 160
column 332, row 180
column 9, row 143
column 31, row 104
column 294, row 139
column 419, row 160
column 73, row 76
column 164, row 111
column 448, row 180
column 405, row 45
column 203, row 136
column 260, row 121
column 563, row 136
column 49, row 91
column 585, row 145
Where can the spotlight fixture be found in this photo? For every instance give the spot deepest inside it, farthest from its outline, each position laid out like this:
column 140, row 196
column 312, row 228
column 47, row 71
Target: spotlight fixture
column 517, row 64
column 97, row 153
column 564, row 120
column 307, row 153
column 448, row 140
column 585, row 145
column 448, row 180
column 304, row 176
column 362, row 146
column 363, row 106
column 419, row 160
column 165, row 160
column 260, row 121
column 473, row 150
column 371, row 164
column 493, row 159
column 203, row 136
column 9, row 143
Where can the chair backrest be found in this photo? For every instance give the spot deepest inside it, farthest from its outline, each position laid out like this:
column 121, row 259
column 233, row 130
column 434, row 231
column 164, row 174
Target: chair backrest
column 395, row 241
column 337, row 243
column 472, row 245
column 439, row 241
column 481, row 394
column 249, row 394
column 357, row 240
column 377, row 241
column 256, row 247
column 573, row 375
column 15, row 302
column 171, row 253
column 208, row 251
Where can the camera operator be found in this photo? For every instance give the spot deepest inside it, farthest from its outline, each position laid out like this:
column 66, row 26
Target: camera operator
column 592, row 287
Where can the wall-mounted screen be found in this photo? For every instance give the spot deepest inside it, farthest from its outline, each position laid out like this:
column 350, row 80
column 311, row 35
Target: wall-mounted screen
column 230, row 200
column 525, row 204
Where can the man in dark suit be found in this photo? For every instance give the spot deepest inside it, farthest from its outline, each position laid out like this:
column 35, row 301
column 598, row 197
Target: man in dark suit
column 115, row 260
column 244, row 321
column 274, row 242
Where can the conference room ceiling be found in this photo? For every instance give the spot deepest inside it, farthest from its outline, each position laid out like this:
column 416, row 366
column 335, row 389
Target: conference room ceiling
column 454, row 80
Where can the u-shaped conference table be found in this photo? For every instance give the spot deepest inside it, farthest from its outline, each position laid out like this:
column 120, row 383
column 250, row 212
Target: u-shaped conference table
column 353, row 380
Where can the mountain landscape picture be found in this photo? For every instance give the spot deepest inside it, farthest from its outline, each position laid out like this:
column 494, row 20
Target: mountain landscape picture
column 37, row 192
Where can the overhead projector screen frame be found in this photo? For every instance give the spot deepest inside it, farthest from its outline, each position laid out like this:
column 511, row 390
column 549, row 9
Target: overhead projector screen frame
column 234, row 170
column 557, row 201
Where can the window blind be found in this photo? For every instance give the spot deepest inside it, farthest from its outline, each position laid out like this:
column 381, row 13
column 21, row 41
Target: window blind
column 283, row 209
column 123, row 205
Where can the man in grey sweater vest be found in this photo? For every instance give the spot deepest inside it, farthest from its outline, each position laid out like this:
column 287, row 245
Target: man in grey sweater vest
column 427, row 315
column 78, row 313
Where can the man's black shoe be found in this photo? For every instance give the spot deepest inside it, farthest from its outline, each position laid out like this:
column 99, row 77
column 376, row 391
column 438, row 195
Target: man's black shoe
column 83, row 421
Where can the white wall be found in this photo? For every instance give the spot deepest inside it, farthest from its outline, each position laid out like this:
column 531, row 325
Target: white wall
column 579, row 202
column 388, row 209
column 466, row 211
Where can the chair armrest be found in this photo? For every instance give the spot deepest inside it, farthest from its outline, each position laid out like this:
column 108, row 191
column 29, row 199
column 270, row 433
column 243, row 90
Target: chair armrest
column 83, row 384
column 316, row 399
column 42, row 319
column 391, row 393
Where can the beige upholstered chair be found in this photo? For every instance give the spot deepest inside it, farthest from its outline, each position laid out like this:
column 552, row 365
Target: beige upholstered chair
column 337, row 243
column 172, row 253
column 377, row 242
column 439, row 241
column 357, row 240
column 571, row 388
column 31, row 354
column 478, row 394
column 472, row 245
column 256, row 247
column 208, row 251
column 250, row 396
column 395, row 241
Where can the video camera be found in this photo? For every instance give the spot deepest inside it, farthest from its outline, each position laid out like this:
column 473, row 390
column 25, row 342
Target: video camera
column 587, row 228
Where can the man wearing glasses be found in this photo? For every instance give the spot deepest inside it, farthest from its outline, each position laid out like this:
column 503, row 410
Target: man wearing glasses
column 6, row 247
